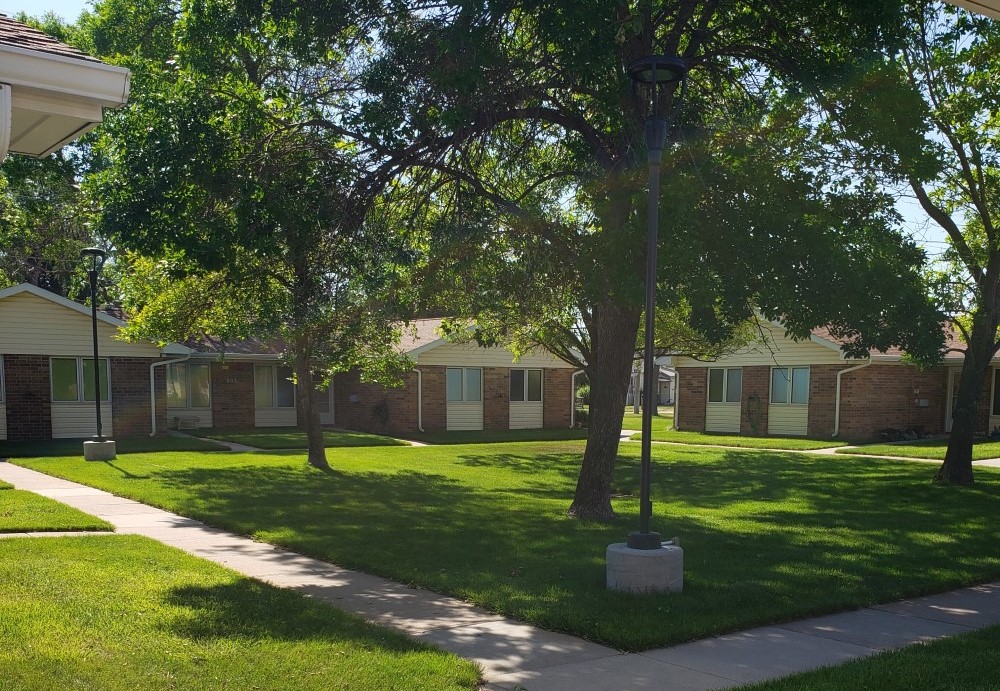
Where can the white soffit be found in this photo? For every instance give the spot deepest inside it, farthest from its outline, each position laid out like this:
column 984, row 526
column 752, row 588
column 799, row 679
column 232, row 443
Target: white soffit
column 991, row 8
column 54, row 99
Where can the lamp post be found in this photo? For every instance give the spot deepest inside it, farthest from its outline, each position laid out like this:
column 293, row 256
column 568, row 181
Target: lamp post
column 95, row 256
column 652, row 74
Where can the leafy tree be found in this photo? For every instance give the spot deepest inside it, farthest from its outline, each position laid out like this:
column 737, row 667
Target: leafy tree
column 927, row 117
column 521, row 128
column 219, row 170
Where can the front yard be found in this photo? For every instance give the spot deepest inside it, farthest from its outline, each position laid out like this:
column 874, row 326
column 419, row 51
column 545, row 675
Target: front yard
column 120, row 613
column 293, row 437
column 767, row 536
column 933, row 449
column 23, row 512
column 740, row 441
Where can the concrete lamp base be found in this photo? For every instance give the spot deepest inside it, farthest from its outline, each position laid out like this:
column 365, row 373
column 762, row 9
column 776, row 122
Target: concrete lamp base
column 642, row 571
column 99, row 450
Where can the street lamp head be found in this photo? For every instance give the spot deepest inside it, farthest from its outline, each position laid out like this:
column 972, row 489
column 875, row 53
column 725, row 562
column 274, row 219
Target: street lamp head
column 657, row 70
column 96, row 256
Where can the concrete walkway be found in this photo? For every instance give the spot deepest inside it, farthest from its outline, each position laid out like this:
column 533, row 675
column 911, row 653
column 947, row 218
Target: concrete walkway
column 514, row 655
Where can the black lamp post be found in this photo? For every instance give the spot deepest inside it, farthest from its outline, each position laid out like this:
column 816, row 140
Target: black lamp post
column 651, row 75
column 96, row 257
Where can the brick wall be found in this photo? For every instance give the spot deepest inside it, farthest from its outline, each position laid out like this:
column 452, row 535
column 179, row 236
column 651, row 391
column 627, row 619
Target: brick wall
column 496, row 398
column 756, row 396
column 28, row 397
column 692, row 388
column 822, row 399
column 557, row 388
column 355, row 403
column 232, row 394
column 130, row 410
column 882, row 396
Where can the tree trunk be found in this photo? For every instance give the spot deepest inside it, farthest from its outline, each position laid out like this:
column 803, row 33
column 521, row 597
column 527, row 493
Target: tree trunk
column 957, row 466
column 613, row 331
column 307, row 405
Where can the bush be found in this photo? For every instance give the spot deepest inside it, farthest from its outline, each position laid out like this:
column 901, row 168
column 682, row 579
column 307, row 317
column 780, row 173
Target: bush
column 583, row 393
column 581, row 418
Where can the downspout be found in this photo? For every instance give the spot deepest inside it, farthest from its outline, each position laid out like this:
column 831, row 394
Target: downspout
column 836, row 408
column 572, row 398
column 420, row 399
column 152, row 388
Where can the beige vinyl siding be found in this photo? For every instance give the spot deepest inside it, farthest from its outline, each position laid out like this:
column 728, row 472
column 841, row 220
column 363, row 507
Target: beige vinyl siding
column 526, row 415
column 35, row 326
column 467, row 355
column 274, row 417
column 463, row 415
column 74, row 420
column 722, row 417
column 204, row 416
column 3, row 421
column 783, row 351
column 787, row 420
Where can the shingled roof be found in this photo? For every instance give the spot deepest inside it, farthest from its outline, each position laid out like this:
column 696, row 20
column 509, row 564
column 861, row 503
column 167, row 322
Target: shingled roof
column 18, row 35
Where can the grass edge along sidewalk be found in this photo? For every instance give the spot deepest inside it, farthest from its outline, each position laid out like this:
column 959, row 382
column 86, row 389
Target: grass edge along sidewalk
column 180, row 621
column 26, row 512
column 768, row 537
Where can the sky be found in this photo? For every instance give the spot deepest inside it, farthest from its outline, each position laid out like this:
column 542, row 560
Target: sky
column 915, row 221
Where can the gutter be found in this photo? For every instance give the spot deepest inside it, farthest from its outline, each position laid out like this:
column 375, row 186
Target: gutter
column 152, row 388
column 420, row 399
column 836, row 409
column 572, row 399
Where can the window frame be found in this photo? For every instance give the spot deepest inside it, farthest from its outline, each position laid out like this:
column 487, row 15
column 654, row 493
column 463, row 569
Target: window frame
column 725, row 386
column 80, row 384
column 188, row 388
column 790, row 386
column 465, row 386
column 273, row 383
column 541, row 385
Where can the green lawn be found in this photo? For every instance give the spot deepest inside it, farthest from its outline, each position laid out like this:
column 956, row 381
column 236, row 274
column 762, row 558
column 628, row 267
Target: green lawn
column 124, row 613
column 767, row 536
column 661, row 423
column 294, row 438
column 499, row 436
column 746, row 442
column 68, row 447
column 22, row 512
column 969, row 662
column 925, row 448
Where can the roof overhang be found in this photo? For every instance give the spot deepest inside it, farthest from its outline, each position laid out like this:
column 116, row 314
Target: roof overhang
column 48, row 100
column 991, row 8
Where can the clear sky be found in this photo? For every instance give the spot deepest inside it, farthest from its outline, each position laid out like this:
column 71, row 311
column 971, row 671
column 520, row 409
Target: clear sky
column 67, row 9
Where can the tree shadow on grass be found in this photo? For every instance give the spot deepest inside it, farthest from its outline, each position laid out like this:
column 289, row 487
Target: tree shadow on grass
column 767, row 537
column 249, row 609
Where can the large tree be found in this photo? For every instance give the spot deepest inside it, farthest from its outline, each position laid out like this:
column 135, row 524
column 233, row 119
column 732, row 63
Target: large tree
column 533, row 155
column 222, row 168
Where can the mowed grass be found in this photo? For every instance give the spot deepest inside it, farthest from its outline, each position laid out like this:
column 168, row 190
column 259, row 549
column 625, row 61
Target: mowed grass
column 740, row 441
column 22, row 512
column 969, row 662
column 294, row 438
column 499, row 436
column 126, row 613
column 933, row 449
column 661, row 423
column 74, row 447
column 767, row 536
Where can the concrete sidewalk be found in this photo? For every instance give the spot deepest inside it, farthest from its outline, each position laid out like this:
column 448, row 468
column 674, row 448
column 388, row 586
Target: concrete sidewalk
column 515, row 655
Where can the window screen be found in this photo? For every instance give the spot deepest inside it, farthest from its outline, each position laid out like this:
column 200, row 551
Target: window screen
column 263, row 392
column 800, row 385
column 534, row 385
column 473, row 385
column 201, row 387
column 734, row 385
column 517, row 385
column 779, row 385
column 454, row 384
column 284, row 390
column 64, row 380
column 176, row 386
column 716, row 384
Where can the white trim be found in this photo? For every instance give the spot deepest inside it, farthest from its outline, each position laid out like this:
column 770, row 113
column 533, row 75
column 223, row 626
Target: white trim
column 541, row 384
column 106, row 85
column 426, row 346
column 990, row 8
column 6, row 116
column 420, row 399
column 274, row 388
column 80, row 383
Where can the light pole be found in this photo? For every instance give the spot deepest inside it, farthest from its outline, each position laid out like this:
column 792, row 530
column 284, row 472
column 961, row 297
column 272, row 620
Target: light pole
column 652, row 74
column 95, row 256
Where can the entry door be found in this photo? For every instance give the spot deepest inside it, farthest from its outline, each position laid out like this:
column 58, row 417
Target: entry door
column 323, row 398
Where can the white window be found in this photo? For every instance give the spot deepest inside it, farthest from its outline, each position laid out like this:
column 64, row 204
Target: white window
column 464, row 385
column 273, row 386
column 526, row 385
column 189, row 386
column 71, row 377
column 790, row 385
column 725, row 385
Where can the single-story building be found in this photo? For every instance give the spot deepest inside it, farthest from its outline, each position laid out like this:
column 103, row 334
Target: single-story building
column 47, row 390
column 779, row 386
